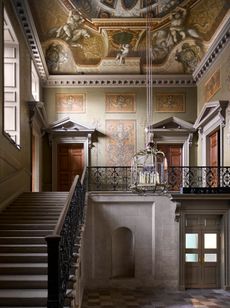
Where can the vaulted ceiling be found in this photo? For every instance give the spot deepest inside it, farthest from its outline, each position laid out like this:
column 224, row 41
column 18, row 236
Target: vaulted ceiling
column 109, row 36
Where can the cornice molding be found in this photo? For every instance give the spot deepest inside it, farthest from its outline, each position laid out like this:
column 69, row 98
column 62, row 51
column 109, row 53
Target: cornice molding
column 119, row 81
column 221, row 41
column 26, row 20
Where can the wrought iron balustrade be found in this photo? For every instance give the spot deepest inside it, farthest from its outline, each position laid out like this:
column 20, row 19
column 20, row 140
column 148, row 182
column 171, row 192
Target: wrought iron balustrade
column 109, row 178
column 185, row 179
column 61, row 244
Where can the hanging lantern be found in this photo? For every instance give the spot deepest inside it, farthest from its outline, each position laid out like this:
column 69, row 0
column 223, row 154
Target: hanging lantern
column 149, row 171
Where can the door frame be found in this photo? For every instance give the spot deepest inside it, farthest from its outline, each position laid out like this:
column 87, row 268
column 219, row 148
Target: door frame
column 182, row 134
column 62, row 140
column 70, row 146
column 212, row 117
column 224, row 251
column 201, row 250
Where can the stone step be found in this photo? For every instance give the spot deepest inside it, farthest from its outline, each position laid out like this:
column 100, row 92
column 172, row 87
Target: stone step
column 41, row 201
column 23, row 281
column 23, row 269
column 37, row 204
column 35, row 233
column 28, row 209
column 7, row 218
column 23, row 257
column 43, row 194
column 24, row 221
column 22, row 240
column 23, row 248
column 28, row 226
column 23, row 297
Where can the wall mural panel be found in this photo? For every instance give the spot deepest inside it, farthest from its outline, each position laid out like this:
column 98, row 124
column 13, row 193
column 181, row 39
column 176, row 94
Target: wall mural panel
column 121, row 142
column 170, row 102
column 120, row 102
column 212, row 85
column 206, row 16
column 70, row 103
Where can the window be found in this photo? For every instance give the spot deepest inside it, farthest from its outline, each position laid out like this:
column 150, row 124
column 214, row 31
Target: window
column 34, row 83
column 11, row 110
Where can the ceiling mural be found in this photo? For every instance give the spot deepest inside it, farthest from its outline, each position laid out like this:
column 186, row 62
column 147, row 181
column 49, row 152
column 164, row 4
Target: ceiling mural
column 121, row 8
column 109, row 36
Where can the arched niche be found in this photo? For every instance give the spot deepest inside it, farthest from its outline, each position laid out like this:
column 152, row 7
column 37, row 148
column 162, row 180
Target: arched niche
column 123, row 253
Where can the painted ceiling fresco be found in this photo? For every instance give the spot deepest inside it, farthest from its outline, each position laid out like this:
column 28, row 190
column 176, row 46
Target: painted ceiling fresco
column 109, row 36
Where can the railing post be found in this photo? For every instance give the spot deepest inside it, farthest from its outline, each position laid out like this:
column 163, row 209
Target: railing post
column 53, row 271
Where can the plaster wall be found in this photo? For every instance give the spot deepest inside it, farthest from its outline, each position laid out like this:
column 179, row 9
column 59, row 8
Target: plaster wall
column 223, row 93
column 156, row 240
column 96, row 115
column 15, row 164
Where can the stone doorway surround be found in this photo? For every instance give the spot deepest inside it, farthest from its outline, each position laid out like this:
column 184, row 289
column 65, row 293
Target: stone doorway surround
column 68, row 131
column 175, row 131
column 204, row 204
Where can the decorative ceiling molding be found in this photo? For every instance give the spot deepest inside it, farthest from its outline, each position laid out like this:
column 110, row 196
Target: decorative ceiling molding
column 119, row 81
column 25, row 18
column 220, row 42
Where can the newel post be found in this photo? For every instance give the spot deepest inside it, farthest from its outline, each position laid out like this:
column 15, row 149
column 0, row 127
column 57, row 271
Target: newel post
column 53, row 270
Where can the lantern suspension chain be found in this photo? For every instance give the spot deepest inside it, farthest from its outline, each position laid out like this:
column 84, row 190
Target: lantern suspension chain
column 149, row 77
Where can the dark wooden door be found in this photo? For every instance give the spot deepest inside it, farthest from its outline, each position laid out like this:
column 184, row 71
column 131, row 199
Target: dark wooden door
column 70, row 162
column 202, row 252
column 214, row 161
column 173, row 153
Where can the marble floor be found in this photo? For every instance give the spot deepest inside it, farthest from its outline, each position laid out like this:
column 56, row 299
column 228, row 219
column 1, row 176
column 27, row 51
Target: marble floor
column 157, row 298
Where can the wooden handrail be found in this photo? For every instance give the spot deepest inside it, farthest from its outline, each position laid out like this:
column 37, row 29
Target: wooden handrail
column 83, row 175
column 64, row 211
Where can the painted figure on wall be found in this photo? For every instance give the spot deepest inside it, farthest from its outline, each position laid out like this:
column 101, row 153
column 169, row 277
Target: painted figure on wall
column 164, row 40
column 162, row 44
column 55, row 57
column 189, row 56
column 121, row 142
column 177, row 29
column 122, row 54
column 72, row 30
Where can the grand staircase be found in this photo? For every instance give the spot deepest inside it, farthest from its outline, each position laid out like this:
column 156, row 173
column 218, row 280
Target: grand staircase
column 23, row 253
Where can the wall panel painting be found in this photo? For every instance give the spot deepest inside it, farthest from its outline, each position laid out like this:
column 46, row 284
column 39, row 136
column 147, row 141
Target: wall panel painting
column 212, row 85
column 121, row 142
column 120, row 102
column 70, row 103
column 170, row 102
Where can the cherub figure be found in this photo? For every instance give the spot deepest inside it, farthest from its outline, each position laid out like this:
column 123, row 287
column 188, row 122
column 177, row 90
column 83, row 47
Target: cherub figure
column 123, row 52
column 72, row 30
column 177, row 24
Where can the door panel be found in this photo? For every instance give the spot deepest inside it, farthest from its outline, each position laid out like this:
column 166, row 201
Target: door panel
column 192, row 276
column 202, row 251
column 70, row 162
column 214, row 148
column 173, row 153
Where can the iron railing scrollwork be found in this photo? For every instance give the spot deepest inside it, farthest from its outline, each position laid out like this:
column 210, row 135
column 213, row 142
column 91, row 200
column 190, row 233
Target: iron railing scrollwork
column 185, row 179
column 61, row 244
column 109, row 178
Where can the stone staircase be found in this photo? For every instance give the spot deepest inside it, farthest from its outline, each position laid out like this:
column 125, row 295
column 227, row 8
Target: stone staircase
column 23, row 253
